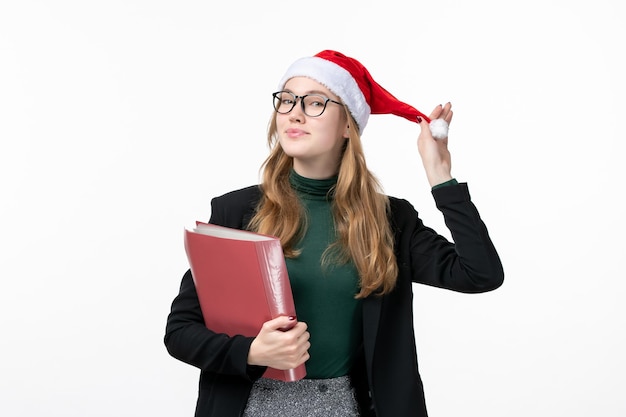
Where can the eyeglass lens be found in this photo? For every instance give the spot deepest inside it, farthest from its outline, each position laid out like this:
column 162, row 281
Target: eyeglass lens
column 313, row 105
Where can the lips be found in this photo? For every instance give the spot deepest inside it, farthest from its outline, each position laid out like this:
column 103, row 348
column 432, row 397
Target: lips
column 295, row 133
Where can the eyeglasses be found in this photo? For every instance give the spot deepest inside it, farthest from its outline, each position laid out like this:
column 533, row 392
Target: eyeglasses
column 313, row 105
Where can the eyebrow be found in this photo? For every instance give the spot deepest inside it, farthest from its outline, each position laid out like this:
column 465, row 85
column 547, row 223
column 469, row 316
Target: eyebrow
column 321, row 93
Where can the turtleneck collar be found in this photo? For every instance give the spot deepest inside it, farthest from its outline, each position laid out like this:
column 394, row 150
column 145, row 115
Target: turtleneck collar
column 310, row 188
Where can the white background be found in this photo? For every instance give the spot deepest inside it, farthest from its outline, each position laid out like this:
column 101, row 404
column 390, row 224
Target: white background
column 119, row 120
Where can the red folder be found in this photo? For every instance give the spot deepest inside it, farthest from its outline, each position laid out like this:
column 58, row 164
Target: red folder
column 242, row 282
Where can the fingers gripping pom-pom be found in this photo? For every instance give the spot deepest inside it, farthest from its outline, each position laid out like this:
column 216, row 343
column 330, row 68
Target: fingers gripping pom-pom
column 439, row 128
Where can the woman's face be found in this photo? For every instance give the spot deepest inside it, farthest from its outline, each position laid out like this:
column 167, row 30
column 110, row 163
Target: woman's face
column 314, row 143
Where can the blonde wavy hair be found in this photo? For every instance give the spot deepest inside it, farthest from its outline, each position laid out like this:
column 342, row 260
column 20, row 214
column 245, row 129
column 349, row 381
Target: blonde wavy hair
column 360, row 212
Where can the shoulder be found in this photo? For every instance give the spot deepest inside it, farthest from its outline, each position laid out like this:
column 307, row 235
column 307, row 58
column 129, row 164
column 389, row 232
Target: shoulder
column 400, row 208
column 402, row 216
column 235, row 208
column 246, row 195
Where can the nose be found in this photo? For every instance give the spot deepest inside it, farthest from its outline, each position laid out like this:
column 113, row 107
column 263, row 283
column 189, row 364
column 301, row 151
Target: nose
column 297, row 113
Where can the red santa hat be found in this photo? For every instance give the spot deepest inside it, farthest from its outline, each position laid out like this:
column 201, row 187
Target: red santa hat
column 351, row 81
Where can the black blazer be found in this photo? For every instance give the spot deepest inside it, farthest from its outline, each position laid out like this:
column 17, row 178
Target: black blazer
column 386, row 377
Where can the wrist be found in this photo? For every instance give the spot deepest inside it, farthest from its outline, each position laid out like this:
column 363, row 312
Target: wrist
column 453, row 181
column 436, row 180
column 252, row 356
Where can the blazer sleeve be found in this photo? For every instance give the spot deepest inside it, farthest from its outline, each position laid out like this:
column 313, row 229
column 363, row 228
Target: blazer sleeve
column 470, row 263
column 186, row 336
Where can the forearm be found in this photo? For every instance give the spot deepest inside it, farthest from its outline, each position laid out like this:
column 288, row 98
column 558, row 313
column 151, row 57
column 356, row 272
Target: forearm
column 468, row 264
column 188, row 339
column 477, row 259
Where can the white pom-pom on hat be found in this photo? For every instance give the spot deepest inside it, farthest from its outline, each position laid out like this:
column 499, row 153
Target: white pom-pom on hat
column 439, row 128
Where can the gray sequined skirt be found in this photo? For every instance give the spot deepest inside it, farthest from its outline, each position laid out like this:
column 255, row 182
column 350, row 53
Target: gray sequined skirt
column 304, row 398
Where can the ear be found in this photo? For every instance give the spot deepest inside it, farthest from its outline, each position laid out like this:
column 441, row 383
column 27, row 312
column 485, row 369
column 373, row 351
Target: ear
column 346, row 132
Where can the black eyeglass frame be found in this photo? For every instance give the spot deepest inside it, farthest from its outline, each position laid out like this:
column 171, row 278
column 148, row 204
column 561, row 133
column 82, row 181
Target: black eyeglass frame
column 276, row 100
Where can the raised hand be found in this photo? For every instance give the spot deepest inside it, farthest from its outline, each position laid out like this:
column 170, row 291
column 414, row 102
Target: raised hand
column 434, row 152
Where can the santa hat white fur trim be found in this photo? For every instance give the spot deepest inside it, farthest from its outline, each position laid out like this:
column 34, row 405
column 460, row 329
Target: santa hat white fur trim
column 336, row 79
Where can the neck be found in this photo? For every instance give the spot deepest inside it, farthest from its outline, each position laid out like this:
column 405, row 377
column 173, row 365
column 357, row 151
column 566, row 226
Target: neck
column 314, row 171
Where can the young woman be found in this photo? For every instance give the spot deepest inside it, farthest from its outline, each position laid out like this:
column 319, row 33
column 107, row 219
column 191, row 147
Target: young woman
column 352, row 254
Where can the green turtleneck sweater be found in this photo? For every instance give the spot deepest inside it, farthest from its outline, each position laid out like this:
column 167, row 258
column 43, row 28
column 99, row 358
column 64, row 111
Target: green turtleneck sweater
column 324, row 295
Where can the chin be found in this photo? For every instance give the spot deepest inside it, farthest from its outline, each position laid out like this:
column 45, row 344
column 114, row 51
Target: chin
column 292, row 149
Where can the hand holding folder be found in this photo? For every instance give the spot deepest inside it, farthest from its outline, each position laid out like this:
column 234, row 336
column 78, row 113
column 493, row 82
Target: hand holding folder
column 242, row 282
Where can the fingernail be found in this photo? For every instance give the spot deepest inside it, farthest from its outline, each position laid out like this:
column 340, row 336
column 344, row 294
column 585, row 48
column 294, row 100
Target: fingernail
column 419, row 119
column 292, row 318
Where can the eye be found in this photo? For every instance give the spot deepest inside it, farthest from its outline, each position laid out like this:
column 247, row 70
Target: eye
column 286, row 99
column 316, row 101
